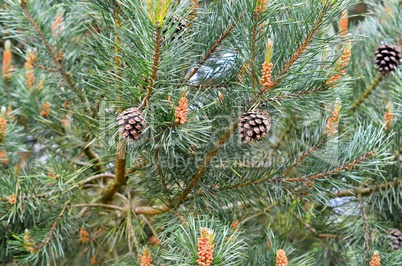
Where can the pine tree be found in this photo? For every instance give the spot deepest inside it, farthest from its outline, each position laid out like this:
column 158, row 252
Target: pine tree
column 185, row 132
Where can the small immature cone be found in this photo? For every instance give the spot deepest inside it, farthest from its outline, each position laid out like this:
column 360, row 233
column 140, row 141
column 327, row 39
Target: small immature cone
column 205, row 247
column 84, row 235
column 7, row 58
column 145, row 259
column 281, row 259
column 375, row 260
column 29, row 244
column 180, row 113
column 93, row 260
column 12, row 199
column 45, row 110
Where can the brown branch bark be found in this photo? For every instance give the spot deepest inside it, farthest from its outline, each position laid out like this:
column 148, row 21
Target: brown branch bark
column 155, row 66
column 152, row 210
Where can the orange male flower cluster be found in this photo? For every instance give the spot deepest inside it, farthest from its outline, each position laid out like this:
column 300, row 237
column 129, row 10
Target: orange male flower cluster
column 84, row 235
column 29, row 72
column 281, row 259
column 57, row 27
column 180, row 113
column 332, row 123
column 388, row 118
column 45, row 110
column 12, row 199
column 261, row 6
column 205, row 247
column 266, row 73
column 29, row 244
column 93, row 260
column 341, row 65
column 145, row 259
column 7, row 58
column 3, row 124
column 375, row 260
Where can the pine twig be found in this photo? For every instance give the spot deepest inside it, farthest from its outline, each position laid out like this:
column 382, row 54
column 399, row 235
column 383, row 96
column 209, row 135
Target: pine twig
column 155, row 66
column 212, row 49
column 120, row 172
column 368, row 91
column 305, row 178
column 304, row 155
column 152, row 210
column 313, row 230
column 366, row 223
column 50, row 69
column 253, row 51
column 330, row 172
column 92, row 156
column 92, row 178
column 205, row 163
column 106, row 206
column 364, row 191
column 303, row 46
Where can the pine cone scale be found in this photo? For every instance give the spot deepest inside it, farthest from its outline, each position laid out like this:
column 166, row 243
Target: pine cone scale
column 131, row 123
column 254, row 125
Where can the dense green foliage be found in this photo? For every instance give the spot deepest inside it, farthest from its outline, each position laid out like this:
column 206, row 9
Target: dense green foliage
column 324, row 185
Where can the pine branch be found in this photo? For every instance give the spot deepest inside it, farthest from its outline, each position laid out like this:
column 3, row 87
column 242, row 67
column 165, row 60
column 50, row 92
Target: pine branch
column 155, row 65
column 305, row 178
column 120, row 170
column 49, row 234
column 253, row 51
column 304, row 155
column 367, row 234
column 330, row 172
column 50, row 69
column 313, row 230
column 205, row 163
column 303, row 46
column 92, row 178
column 152, row 210
column 93, row 157
column 212, row 49
column 60, row 69
column 100, row 205
column 159, row 169
column 364, row 191
column 368, row 91
column 281, row 96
